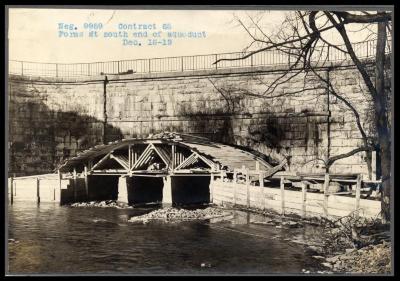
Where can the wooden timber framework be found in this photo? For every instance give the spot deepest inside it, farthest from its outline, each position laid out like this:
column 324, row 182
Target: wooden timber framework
column 166, row 154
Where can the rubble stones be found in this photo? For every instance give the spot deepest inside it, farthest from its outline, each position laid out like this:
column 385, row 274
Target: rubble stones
column 102, row 204
column 370, row 259
column 174, row 214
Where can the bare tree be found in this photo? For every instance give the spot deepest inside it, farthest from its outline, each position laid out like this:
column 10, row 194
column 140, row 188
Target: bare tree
column 302, row 37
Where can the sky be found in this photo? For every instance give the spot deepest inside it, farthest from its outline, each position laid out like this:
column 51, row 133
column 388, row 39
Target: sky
column 33, row 34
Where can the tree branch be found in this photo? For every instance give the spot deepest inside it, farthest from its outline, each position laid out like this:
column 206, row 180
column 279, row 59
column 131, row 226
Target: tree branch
column 366, row 18
column 332, row 159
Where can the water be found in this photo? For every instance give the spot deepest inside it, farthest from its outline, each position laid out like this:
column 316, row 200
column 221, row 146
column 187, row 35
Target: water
column 54, row 239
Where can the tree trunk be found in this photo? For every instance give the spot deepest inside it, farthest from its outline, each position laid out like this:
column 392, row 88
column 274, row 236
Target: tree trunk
column 381, row 120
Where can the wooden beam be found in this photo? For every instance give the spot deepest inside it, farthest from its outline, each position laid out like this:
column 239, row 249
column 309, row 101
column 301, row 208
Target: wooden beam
column 122, row 163
column 102, row 160
column 205, row 160
column 129, row 157
column 142, row 157
column 162, row 155
column 173, row 152
column 184, row 163
column 109, row 170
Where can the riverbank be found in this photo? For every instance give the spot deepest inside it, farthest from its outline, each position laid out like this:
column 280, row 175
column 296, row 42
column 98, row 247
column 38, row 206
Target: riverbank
column 349, row 245
column 369, row 259
column 346, row 245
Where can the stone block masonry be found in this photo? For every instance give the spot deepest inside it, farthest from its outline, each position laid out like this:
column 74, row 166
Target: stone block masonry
column 52, row 119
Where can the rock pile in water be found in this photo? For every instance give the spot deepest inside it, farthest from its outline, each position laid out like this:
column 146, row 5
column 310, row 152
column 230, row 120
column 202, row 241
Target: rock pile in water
column 370, row 259
column 171, row 214
column 104, row 204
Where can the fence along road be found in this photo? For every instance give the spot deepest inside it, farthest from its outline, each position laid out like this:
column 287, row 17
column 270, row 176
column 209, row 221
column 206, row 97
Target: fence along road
column 327, row 54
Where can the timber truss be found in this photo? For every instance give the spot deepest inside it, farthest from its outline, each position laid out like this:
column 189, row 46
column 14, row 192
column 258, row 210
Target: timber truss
column 184, row 154
column 151, row 158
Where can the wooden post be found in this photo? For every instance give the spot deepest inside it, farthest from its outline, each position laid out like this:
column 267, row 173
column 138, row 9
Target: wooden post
column 257, row 165
column 15, row 185
column 303, row 199
column 12, row 189
column 247, row 188
column 173, row 157
column 136, row 157
column 86, row 183
column 261, row 181
column 326, row 194
column 38, row 190
column 234, row 186
column 59, row 183
column 75, row 189
column 211, row 185
column 282, row 195
column 129, row 157
column 358, row 195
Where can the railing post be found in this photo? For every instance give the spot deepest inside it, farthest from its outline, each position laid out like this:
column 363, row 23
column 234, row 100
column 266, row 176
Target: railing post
column 86, row 183
column 149, row 65
column 303, row 199
column 118, row 66
column 247, row 188
column 75, row 187
column 282, row 195
column 326, row 194
column 182, row 63
column 261, row 184
column 56, row 69
column 12, row 189
column 88, row 69
column 38, row 190
column 216, row 58
column 358, row 195
column 22, row 68
column 234, row 187
column 15, row 185
column 251, row 61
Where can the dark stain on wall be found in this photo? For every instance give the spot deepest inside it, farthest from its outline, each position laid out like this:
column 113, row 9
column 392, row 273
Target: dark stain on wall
column 40, row 139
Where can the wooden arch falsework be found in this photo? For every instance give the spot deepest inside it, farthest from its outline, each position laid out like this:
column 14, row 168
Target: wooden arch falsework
column 162, row 155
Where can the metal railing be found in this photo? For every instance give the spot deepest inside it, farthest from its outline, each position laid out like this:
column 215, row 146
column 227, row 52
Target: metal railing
column 271, row 57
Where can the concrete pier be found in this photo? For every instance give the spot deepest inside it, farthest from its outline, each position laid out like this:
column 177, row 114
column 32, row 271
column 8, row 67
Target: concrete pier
column 167, row 192
column 123, row 190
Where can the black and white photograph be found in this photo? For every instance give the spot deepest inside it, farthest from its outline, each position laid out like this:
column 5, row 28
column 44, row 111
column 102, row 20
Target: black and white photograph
column 199, row 140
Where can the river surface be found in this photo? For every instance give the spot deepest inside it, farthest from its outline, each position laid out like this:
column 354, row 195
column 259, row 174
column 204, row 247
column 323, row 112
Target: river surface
column 53, row 239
